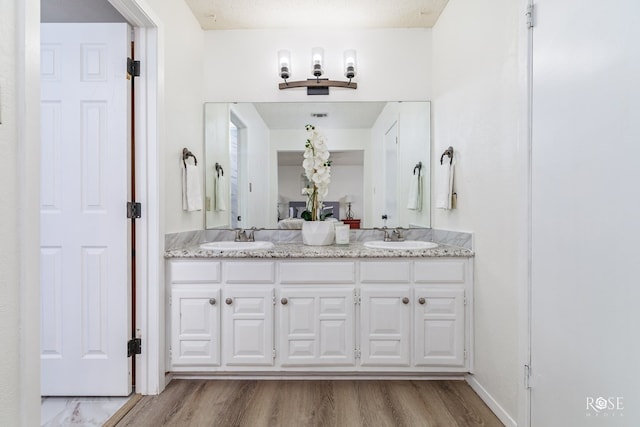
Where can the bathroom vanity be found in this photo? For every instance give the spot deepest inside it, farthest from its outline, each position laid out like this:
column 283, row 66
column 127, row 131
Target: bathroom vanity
column 320, row 310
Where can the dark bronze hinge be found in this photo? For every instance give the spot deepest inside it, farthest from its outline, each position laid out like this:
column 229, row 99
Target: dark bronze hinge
column 134, row 210
column 133, row 68
column 134, row 346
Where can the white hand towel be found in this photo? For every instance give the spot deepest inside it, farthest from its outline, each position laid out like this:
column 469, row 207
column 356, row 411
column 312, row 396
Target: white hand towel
column 415, row 193
column 444, row 195
column 220, row 194
column 191, row 193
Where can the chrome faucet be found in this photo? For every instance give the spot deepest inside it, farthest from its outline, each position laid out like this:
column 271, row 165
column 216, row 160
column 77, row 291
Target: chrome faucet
column 385, row 232
column 242, row 236
column 396, row 235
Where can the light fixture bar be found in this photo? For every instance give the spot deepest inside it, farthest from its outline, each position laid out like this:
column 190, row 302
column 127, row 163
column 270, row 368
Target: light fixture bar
column 318, row 86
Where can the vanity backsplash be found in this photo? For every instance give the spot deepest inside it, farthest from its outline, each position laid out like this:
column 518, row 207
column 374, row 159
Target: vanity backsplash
column 192, row 238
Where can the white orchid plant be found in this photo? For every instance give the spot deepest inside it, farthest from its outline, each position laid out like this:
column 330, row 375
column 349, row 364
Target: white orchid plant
column 317, row 168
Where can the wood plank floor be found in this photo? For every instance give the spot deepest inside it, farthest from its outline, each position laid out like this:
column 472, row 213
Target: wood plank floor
column 312, row 403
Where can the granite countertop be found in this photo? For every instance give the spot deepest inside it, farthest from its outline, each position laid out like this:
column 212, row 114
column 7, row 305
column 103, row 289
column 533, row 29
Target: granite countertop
column 299, row 250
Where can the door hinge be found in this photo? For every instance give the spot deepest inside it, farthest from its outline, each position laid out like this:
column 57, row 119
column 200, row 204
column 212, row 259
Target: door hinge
column 356, row 353
column 134, row 210
column 133, row 68
column 356, row 297
column 273, row 353
column 134, row 346
column 527, row 376
column 465, row 354
column 530, row 16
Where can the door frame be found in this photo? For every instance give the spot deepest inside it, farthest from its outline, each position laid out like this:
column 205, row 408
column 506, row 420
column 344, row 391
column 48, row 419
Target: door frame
column 149, row 42
column 149, row 32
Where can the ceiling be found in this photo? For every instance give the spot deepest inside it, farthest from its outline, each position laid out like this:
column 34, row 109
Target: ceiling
column 274, row 14
column 339, row 115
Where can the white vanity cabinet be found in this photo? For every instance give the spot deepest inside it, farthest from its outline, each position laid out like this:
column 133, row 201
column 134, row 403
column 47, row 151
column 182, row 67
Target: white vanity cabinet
column 247, row 316
column 376, row 315
column 194, row 307
column 385, row 326
column 248, row 296
column 317, row 326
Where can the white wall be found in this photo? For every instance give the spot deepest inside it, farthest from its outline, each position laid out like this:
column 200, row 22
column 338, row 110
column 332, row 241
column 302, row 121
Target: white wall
column 241, row 65
column 183, row 112
column 586, row 213
column 475, row 110
column 19, row 201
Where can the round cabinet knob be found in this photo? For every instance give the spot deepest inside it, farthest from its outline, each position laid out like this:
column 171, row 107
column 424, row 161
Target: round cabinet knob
column 421, row 300
column 405, row 300
column 284, row 301
column 212, row 301
column 228, row 301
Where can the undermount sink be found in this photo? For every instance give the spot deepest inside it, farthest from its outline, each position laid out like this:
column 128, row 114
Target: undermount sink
column 406, row 245
column 236, row 246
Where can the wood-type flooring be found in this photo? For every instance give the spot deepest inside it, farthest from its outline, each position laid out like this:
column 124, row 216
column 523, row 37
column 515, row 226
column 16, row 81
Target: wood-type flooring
column 301, row 403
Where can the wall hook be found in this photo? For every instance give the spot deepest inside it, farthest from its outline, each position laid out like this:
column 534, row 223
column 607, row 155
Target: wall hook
column 447, row 152
column 419, row 167
column 219, row 170
column 185, row 155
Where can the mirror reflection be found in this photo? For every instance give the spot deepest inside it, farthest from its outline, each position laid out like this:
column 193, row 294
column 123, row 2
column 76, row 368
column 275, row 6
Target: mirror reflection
column 375, row 148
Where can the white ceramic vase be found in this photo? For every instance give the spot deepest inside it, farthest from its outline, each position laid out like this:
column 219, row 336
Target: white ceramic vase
column 318, row 233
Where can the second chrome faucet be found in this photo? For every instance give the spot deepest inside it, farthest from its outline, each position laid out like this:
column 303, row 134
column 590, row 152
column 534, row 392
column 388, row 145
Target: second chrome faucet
column 243, row 236
column 392, row 235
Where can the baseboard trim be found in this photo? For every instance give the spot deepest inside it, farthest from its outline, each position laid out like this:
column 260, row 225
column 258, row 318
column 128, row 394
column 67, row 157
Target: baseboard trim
column 502, row 415
column 311, row 376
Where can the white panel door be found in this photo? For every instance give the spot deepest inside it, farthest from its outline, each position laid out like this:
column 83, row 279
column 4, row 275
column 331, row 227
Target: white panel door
column 247, row 317
column 439, row 326
column 195, row 326
column 385, row 326
column 316, row 326
column 585, row 215
column 84, row 229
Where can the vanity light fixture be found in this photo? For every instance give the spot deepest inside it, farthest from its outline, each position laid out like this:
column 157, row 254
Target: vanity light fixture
column 316, row 85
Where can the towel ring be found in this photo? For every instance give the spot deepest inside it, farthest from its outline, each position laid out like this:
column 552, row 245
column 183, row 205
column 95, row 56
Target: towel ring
column 419, row 167
column 447, row 152
column 185, row 155
column 219, row 169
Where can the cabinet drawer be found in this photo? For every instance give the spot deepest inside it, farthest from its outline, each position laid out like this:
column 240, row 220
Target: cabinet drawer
column 385, row 272
column 249, row 272
column 317, row 272
column 194, row 271
column 439, row 272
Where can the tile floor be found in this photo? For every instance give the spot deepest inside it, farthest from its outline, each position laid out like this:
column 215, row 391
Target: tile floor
column 78, row 411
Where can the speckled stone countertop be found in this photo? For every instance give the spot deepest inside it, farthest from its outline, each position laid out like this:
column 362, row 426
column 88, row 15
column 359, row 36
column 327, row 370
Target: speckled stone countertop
column 299, row 250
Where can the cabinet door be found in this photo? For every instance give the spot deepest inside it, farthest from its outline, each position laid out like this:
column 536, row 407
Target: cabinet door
column 316, row 326
column 247, row 317
column 195, row 326
column 385, row 326
column 439, row 326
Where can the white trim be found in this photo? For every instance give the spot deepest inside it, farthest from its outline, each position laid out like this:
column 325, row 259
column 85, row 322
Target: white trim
column 525, row 60
column 27, row 97
column 312, row 377
column 150, row 272
column 493, row 404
